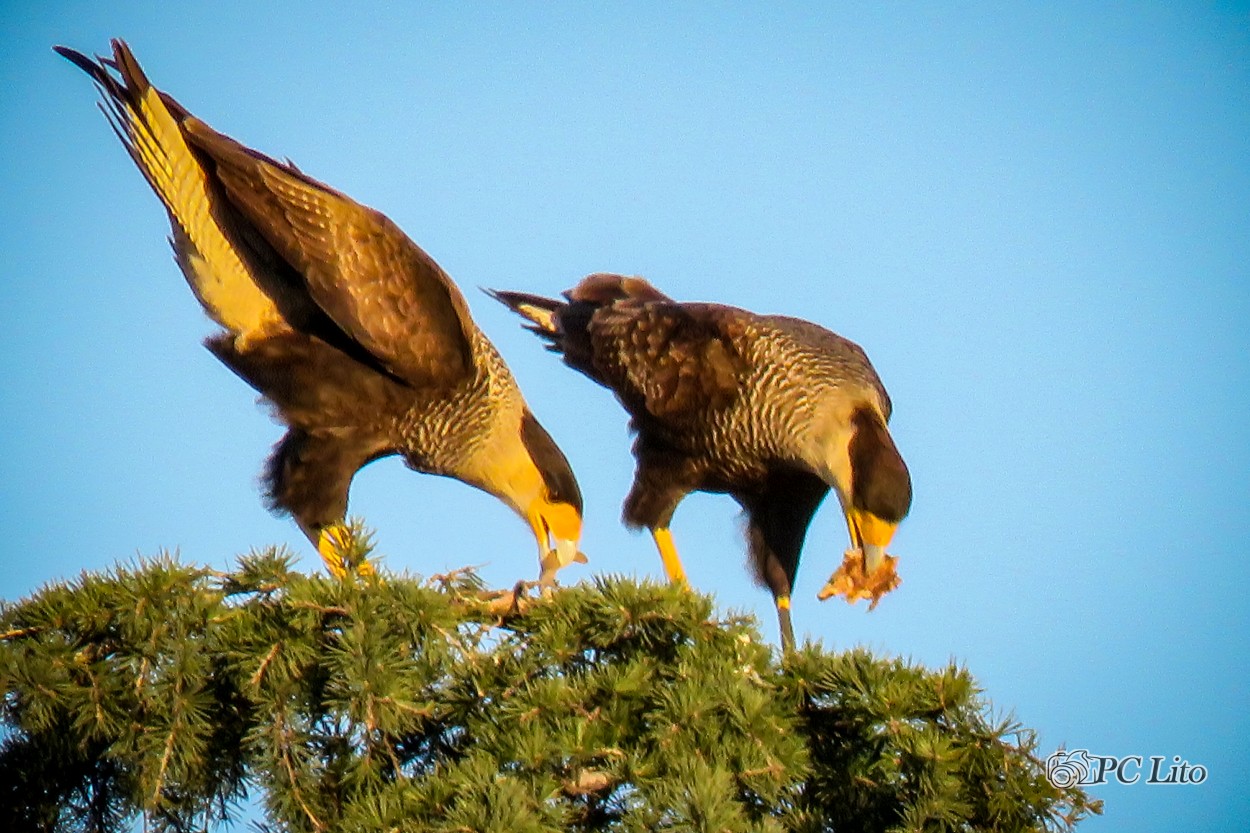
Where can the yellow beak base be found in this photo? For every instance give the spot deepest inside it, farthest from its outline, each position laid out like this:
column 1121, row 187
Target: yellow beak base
column 866, row 572
column 557, row 528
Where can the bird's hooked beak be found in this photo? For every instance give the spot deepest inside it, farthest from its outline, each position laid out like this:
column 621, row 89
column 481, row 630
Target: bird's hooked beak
column 870, row 534
column 557, row 527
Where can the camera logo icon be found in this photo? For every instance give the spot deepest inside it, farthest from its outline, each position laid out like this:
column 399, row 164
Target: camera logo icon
column 1069, row 767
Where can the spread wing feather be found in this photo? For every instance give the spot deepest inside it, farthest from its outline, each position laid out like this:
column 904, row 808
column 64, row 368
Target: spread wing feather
column 267, row 249
column 366, row 274
column 147, row 122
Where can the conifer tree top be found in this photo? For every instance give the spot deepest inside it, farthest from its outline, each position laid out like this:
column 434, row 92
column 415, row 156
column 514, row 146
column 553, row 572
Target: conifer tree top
column 172, row 691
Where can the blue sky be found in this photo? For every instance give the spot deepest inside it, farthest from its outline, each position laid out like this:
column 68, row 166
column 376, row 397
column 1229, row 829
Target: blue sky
column 1036, row 221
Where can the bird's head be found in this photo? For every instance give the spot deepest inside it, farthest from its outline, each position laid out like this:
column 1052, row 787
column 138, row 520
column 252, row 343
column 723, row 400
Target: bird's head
column 534, row 478
column 872, row 483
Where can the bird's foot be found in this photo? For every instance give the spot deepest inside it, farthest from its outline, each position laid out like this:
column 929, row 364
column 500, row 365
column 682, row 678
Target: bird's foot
column 344, row 549
column 851, row 581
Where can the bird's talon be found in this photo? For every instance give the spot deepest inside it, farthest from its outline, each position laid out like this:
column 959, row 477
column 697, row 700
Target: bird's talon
column 343, row 552
column 547, row 582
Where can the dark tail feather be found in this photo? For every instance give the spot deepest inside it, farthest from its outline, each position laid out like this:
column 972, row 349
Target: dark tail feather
column 542, row 313
column 563, row 326
column 549, row 316
column 567, row 326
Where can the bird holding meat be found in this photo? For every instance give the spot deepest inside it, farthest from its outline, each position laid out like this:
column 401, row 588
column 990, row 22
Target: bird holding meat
column 772, row 410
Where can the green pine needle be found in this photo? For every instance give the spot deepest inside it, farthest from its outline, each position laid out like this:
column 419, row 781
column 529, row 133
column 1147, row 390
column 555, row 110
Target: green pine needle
column 171, row 692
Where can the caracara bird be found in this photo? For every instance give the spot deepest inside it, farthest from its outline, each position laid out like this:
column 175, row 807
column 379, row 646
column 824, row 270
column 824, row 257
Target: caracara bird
column 359, row 341
column 772, row 410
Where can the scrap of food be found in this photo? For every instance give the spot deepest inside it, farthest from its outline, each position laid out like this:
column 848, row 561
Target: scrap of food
column 850, row 579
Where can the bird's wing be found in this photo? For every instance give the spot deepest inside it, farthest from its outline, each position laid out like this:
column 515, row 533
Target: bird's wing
column 671, row 360
column 367, row 275
column 233, row 287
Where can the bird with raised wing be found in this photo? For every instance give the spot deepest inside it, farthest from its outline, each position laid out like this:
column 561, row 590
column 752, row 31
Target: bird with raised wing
column 361, row 344
column 772, row 410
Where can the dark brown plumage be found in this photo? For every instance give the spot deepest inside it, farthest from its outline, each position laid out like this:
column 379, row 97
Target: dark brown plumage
column 772, row 410
column 362, row 344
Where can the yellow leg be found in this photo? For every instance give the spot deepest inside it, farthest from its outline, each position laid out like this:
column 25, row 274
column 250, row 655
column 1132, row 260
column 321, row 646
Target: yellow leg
column 335, row 545
column 783, row 619
column 668, row 553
